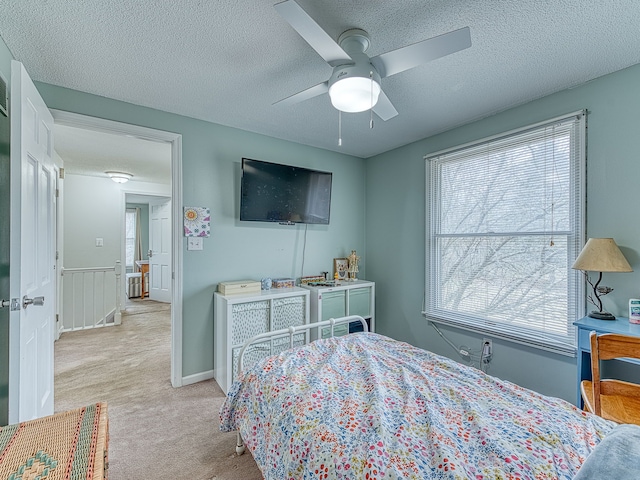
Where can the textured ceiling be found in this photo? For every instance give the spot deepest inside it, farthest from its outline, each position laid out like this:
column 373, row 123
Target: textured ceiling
column 87, row 152
column 228, row 61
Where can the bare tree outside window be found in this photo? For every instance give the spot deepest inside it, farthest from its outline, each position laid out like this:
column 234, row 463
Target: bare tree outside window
column 505, row 223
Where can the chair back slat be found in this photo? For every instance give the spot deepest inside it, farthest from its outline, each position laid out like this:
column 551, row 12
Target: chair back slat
column 610, row 346
column 619, row 387
column 613, row 345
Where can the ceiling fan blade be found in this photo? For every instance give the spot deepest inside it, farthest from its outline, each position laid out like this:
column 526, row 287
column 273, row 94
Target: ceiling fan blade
column 384, row 108
column 315, row 36
column 305, row 94
column 422, row 52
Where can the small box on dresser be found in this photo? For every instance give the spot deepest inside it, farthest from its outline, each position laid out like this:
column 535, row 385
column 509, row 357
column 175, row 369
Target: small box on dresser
column 239, row 317
column 240, row 286
column 283, row 283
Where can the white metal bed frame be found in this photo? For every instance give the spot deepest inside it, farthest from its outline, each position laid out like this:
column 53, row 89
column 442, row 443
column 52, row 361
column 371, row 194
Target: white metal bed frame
column 290, row 332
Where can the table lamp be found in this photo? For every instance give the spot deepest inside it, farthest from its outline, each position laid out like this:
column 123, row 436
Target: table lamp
column 600, row 255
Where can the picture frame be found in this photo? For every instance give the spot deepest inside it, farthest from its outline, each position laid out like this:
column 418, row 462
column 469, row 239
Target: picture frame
column 197, row 222
column 341, row 267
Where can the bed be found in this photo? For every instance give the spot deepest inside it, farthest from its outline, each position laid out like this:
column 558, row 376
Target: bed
column 367, row 406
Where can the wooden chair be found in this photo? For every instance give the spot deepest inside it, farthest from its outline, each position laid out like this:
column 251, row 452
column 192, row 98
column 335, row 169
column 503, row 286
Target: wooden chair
column 609, row 398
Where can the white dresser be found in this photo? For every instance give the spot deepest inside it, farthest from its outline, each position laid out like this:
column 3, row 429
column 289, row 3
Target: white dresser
column 237, row 318
column 348, row 298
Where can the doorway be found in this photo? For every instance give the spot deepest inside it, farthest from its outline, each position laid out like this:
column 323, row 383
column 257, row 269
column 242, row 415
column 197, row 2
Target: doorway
column 148, row 247
column 174, row 142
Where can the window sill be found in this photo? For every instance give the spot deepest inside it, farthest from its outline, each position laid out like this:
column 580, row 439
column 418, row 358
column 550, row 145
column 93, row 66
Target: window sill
column 553, row 346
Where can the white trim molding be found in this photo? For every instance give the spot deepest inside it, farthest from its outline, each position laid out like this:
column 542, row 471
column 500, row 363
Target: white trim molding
column 175, row 139
column 197, row 377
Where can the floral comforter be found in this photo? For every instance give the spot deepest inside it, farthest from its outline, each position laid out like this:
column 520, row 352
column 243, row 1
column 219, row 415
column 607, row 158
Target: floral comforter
column 364, row 406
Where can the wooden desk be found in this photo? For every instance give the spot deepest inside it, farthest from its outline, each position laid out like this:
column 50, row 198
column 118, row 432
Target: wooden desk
column 584, row 327
column 144, row 269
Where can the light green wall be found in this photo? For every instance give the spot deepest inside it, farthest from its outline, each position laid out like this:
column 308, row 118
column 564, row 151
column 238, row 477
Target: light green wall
column 211, row 178
column 5, row 69
column 394, row 195
column 91, row 210
column 94, row 208
column 396, row 221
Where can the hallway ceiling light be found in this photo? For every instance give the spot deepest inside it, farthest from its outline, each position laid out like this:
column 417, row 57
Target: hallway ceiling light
column 120, row 177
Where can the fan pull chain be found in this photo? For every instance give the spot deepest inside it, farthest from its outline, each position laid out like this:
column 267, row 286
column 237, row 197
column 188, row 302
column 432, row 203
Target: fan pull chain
column 339, row 128
column 371, row 109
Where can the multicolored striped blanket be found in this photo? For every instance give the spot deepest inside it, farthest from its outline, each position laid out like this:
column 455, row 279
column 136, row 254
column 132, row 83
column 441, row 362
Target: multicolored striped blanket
column 366, row 406
column 67, row 445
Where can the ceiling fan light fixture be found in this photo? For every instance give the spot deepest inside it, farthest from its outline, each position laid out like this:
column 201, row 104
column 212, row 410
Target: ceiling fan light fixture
column 349, row 60
column 120, row 177
column 354, row 94
column 354, row 88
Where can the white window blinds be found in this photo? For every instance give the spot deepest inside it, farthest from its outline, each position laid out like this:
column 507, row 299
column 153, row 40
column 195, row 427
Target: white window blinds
column 505, row 219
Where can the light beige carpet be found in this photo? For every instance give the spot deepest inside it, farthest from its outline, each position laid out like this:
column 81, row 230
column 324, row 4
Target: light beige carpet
column 156, row 431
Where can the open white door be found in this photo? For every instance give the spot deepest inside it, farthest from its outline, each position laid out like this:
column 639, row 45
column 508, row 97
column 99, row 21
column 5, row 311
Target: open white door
column 32, row 272
column 160, row 250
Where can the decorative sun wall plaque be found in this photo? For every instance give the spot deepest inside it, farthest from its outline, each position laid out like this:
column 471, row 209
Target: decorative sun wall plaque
column 197, row 222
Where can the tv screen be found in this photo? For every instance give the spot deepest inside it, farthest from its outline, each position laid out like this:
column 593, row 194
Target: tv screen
column 271, row 192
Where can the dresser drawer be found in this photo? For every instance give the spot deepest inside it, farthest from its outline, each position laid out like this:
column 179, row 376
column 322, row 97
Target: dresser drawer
column 334, row 305
column 255, row 352
column 248, row 319
column 360, row 302
column 338, row 330
column 258, row 351
column 288, row 312
column 281, row 344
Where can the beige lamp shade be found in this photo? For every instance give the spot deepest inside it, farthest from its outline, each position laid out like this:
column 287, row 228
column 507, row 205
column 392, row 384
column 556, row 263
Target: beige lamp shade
column 601, row 255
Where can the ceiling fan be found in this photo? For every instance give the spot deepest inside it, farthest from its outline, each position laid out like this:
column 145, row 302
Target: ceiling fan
column 354, row 85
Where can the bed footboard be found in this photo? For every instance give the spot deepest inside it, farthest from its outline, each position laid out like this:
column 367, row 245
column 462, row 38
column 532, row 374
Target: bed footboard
column 290, row 332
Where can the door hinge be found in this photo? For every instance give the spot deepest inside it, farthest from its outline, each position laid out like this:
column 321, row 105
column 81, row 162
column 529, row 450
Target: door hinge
column 57, row 193
column 61, row 173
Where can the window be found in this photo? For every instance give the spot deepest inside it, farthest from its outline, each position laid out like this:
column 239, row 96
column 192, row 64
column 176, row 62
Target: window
column 130, row 235
column 505, row 224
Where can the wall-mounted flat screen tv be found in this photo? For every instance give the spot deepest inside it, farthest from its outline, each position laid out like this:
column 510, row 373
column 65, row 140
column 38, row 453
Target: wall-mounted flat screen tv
column 271, row 192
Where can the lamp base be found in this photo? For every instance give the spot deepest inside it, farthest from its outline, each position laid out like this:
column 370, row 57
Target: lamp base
column 602, row 315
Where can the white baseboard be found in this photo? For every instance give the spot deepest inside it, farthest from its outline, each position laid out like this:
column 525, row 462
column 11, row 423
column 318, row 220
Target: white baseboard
column 197, row 377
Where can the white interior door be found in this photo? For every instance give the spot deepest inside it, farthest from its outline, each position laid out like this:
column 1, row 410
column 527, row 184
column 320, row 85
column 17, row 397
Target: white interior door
column 32, row 271
column 160, row 250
